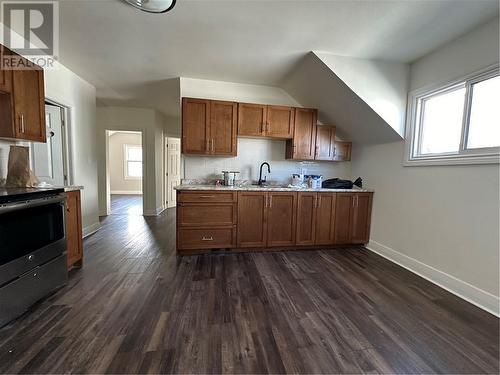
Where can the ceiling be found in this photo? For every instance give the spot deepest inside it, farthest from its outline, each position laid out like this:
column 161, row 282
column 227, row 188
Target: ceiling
column 133, row 58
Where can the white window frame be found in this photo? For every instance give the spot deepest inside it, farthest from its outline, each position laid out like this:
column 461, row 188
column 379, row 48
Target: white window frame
column 126, row 161
column 416, row 105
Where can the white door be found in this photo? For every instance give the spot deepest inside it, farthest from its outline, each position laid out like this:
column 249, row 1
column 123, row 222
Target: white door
column 47, row 159
column 173, row 169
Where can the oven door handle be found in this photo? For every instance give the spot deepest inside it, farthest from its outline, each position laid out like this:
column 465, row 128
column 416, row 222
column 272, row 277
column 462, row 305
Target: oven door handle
column 22, row 205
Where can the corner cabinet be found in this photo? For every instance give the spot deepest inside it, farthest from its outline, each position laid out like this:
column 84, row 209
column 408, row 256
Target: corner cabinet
column 303, row 144
column 342, row 151
column 209, row 127
column 22, row 101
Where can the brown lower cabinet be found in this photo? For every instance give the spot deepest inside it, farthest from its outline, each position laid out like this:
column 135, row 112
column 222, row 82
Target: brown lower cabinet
column 73, row 221
column 265, row 220
column 206, row 220
column 316, row 218
column 352, row 218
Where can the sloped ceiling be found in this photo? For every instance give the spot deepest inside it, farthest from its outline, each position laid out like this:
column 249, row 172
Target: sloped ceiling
column 313, row 84
column 383, row 85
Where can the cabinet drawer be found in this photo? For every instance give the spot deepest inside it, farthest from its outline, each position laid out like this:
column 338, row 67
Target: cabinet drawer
column 206, row 196
column 195, row 214
column 206, row 238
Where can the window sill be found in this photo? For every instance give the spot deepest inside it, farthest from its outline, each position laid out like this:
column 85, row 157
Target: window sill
column 452, row 160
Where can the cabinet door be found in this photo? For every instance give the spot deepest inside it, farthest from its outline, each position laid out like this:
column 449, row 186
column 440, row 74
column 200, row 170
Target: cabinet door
column 251, row 119
column 303, row 145
column 342, row 151
column 73, row 221
column 306, row 218
column 360, row 218
column 29, row 104
column 343, row 211
column 281, row 219
column 195, row 126
column 223, row 122
column 325, row 142
column 5, row 75
column 252, row 219
column 325, row 219
column 280, row 121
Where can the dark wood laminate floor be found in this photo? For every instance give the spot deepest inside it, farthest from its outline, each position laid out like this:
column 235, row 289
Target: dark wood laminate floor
column 126, row 204
column 137, row 308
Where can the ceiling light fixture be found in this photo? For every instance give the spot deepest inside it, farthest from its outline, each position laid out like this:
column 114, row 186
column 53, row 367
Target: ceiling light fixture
column 153, row 6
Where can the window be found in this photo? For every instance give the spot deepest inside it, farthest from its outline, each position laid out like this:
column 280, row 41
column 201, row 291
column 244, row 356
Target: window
column 457, row 123
column 133, row 162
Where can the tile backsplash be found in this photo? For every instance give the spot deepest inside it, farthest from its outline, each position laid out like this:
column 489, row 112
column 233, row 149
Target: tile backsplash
column 253, row 152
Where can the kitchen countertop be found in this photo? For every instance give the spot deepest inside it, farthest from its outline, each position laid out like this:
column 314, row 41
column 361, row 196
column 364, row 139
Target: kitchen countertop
column 190, row 187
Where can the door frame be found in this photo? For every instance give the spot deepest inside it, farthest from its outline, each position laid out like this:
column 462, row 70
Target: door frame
column 67, row 126
column 107, row 167
column 165, row 167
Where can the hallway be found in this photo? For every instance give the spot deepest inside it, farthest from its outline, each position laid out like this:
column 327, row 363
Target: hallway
column 126, row 204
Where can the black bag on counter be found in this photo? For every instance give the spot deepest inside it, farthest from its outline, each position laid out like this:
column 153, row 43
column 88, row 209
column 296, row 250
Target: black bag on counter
column 337, row 183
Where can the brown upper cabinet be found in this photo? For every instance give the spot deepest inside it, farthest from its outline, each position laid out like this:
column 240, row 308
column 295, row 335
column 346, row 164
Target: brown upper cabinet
column 303, row 144
column 342, row 151
column 325, row 143
column 209, row 127
column 223, row 127
column 258, row 120
column 22, row 102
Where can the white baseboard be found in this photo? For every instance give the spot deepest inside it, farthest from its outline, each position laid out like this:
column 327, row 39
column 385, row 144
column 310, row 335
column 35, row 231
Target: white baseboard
column 155, row 212
column 126, row 192
column 91, row 229
column 462, row 289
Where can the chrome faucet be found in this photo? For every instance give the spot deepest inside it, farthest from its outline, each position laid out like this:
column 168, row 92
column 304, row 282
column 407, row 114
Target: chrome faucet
column 263, row 181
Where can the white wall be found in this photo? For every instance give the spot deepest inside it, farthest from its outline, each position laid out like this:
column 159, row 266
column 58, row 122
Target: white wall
column 383, row 85
column 66, row 88
column 441, row 221
column 150, row 123
column 118, row 183
column 251, row 152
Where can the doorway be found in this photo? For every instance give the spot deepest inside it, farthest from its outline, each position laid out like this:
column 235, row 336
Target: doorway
column 172, row 169
column 50, row 160
column 125, row 157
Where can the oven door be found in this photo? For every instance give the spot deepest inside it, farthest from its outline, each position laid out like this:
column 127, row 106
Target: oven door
column 31, row 233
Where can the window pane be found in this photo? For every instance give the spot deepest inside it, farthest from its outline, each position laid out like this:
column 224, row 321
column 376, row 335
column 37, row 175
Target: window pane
column 484, row 124
column 134, row 153
column 442, row 122
column 134, row 169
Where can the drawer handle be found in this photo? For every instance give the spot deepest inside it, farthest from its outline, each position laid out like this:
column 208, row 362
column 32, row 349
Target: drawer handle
column 207, row 238
column 206, row 196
